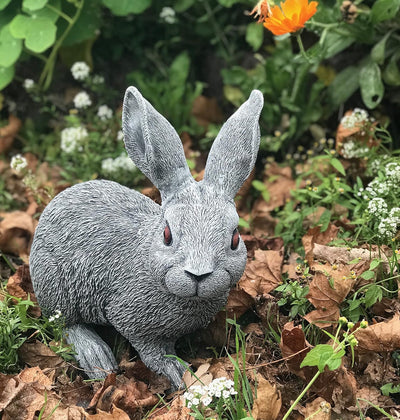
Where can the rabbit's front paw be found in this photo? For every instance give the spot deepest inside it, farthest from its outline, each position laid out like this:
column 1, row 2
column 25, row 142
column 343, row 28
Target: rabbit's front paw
column 92, row 353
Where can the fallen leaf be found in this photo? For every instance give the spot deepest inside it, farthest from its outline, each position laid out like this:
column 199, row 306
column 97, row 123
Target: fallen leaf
column 206, row 111
column 110, row 380
column 201, row 376
column 114, row 414
column 328, row 289
column 8, row 132
column 176, row 410
column 380, row 337
column 20, row 286
column 315, row 236
column 268, row 403
column 319, row 409
column 16, row 233
column 263, row 274
column 262, row 223
column 38, row 354
column 238, row 303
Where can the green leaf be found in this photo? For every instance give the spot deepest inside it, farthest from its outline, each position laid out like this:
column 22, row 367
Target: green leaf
column 372, row 295
column 255, row 35
column 6, row 76
column 228, row 3
column 4, row 4
column 179, row 70
column 87, row 24
column 258, row 185
column 391, row 73
column 33, row 4
column 19, row 25
column 338, row 166
column 10, row 47
column 124, row 7
column 344, row 85
column 40, row 34
column 368, row 275
column 48, row 13
column 324, row 220
column 182, row 5
column 378, row 52
column 374, row 263
column 384, row 10
column 371, row 85
column 390, row 389
column 323, row 355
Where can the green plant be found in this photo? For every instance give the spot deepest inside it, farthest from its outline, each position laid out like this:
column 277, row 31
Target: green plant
column 16, row 325
column 170, row 92
column 294, row 295
column 224, row 398
column 329, row 356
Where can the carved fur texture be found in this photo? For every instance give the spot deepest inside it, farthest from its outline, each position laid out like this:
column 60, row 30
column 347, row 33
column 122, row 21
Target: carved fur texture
column 100, row 254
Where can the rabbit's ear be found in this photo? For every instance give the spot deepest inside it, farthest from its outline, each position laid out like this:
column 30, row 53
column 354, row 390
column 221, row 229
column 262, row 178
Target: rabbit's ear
column 234, row 151
column 153, row 144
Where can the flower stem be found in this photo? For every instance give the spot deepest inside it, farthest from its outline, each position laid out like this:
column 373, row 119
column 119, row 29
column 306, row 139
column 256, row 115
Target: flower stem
column 292, row 407
column 301, row 46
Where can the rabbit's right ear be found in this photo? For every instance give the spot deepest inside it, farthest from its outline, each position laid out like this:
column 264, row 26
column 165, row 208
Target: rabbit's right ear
column 153, row 144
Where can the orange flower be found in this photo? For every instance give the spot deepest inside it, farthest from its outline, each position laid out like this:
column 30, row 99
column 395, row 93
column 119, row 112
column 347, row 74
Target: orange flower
column 261, row 10
column 290, row 17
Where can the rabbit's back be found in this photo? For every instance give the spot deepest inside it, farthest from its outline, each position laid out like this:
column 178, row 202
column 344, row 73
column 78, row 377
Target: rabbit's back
column 83, row 238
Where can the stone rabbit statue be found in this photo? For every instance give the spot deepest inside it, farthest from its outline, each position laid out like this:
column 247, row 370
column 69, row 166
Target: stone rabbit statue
column 105, row 254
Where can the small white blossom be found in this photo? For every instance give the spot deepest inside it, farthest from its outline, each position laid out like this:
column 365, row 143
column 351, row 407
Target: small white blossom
column 358, row 117
column 80, row 70
column 387, row 228
column 206, row 401
column 18, row 162
column 120, row 135
column 392, row 171
column 377, row 207
column 168, row 15
column 97, row 79
column 121, row 163
column 71, row 139
column 351, row 150
column 28, row 84
column 82, row 100
column 104, row 112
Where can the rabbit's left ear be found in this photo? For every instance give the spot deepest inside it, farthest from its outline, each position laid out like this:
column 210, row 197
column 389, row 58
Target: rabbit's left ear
column 234, row 151
column 153, row 144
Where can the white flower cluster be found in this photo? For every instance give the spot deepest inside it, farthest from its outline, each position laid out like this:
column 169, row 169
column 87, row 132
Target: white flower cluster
column 104, row 112
column 18, row 162
column 388, row 225
column 199, row 394
column 378, row 207
column 392, row 171
column 80, row 70
column 97, row 79
column 375, row 164
column 351, row 150
column 28, row 84
column 55, row 316
column 167, row 14
column 358, row 117
column 120, row 135
column 121, row 163
column 71, row 139
column 82, row 100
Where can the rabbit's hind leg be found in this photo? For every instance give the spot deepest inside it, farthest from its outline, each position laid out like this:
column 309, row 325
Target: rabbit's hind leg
column 92, row 353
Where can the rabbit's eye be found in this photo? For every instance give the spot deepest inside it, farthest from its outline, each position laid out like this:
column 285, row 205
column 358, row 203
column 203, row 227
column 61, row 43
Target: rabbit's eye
column 167, row 236
column 235, row 239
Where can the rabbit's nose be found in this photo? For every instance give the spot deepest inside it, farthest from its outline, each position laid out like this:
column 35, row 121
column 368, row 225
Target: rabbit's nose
column 198, row 274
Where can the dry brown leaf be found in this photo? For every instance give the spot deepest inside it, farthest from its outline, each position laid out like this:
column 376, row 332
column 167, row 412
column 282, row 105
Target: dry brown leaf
column 206, row 111
column 262, row 223
column 202, row 376
column 238, row 303
column 328, row 289
column 319, row 409
column 8, row 132
column 38, row 354
column 380, row 337
column 16, row 232
column 115, row 414
column 263, row 274
column 268, row 403
column 176, row 411
column 110, row 380
column 20, row 286
column 315, row 236
column 372, row 395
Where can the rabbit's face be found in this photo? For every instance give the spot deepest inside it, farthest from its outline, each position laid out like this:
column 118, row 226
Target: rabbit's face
column 197, row 251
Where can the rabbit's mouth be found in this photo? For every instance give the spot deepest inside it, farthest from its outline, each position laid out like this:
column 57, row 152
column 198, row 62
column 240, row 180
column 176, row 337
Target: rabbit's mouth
column 187, row 285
